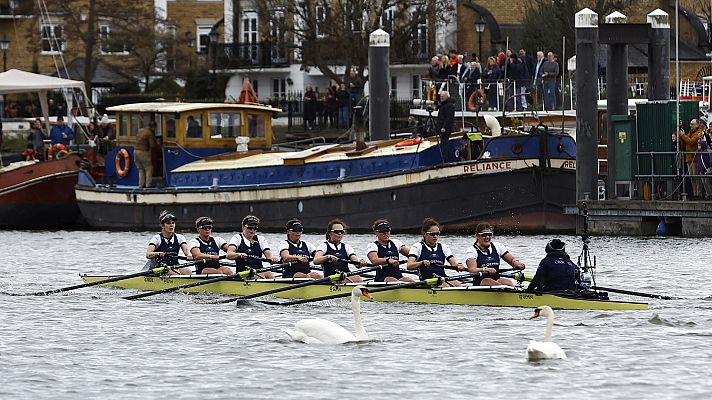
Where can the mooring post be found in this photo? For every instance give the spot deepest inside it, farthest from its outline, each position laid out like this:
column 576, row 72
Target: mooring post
column 616, row 97
column 586, row 104
column 379, row 113
column 659, row 56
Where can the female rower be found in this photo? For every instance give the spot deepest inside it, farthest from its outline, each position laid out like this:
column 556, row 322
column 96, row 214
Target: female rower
column 485, row 255
column 207, row 247
column 428, row 256
column 295, row 249
column 333, row 253
column 247, row 248
column 164, row 246
column 384, row 251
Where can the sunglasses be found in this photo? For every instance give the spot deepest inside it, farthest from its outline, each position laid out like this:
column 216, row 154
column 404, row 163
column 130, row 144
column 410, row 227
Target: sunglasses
column 383, row 230
column 252, row 228
column 485, row 234
column 433, row 234
column 300, row 230
column 338, row 231
column 207, row 227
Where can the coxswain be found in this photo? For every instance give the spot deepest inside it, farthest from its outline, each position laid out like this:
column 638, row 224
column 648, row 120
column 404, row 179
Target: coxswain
column 485, row 255
column 332, row 253
column 295, row 249
column 246, row 248
column 429, row 257
column 556, row 272
column 207, row 247
column 386, row 251
column 163, row 247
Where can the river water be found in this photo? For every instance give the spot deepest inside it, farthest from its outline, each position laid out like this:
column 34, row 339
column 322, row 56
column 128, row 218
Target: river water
column 90, row 343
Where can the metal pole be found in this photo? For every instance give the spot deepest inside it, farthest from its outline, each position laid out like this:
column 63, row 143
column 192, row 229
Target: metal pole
column 563, row 80
column 677, row 95
column 379, row 85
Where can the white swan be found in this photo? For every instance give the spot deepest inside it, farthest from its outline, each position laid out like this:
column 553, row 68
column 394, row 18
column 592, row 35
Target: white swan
column 546, row 349
column 321, row 331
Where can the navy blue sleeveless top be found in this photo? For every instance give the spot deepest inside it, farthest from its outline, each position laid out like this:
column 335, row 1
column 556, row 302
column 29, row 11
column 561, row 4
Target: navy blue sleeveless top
column 487, row 260
column 390, row 252
column 209, row 247
column 436, row 256
column 252, row 249
column 170, row 248
column 295, row 249
column 339, row 266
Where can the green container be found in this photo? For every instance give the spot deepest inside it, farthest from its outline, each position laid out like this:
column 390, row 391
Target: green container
column 655, row 126
column 626, row 166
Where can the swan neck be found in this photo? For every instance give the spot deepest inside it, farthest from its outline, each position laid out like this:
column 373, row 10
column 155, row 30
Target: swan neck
column 549, row 327
column 358, row 323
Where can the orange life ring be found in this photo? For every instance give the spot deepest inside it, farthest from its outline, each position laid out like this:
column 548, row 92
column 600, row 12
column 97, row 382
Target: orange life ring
column 472, row 104
column 57, row 147
column 409, row 142
column 122, row 154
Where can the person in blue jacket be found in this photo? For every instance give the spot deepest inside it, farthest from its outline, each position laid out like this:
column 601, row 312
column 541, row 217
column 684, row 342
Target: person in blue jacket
column 61, row 133
column 556, row 272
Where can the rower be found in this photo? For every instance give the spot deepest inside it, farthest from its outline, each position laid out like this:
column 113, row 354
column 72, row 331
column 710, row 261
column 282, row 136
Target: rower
column 485, row 255
column 246, row 248
column 385, row 251
column 295, row 249
column 556, row 272
column 330, row 253
column 207, row 247
column 163, row 247
column 428, row 256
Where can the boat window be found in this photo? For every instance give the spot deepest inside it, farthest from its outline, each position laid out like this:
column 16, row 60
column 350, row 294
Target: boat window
column 256, row 125
column 194, row 126
column 159, row 125
column 225, row 124
column 170, row 126
column 134, row 124
column 123, row 124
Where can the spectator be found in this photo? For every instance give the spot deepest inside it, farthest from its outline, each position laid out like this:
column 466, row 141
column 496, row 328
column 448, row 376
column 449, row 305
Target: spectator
column 145, row 142
column 691, row 140
column 342, row 99
column 309, row 107
column 704, row 167
column 462, row 69
column 518, row 74
column 30, row 154
column 61, row 133
column 330, row 106
column 355, row 88
column 445, row 68
column 445, row 123
column 536, row 82
column 434, row 68
column 490, row 79
column 528, row 62
column 549, row 76
column 36, row 137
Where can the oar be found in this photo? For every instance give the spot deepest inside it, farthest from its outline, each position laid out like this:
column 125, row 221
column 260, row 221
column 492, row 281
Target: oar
column 154, row 271
column 331, row 278
column 429, row 282
column 222, row 257
column 240, row 275
column 621, row 291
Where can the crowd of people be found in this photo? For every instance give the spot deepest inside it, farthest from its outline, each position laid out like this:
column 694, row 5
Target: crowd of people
column 517, row 75
column 98, row 135
column 427, row 258
column 696, row 145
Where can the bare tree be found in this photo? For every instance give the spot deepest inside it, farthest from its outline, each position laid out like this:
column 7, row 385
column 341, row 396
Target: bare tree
column 329, row 33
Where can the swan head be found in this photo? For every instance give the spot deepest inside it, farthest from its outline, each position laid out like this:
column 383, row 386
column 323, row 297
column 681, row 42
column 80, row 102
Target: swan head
column 542, row 311
column 359, row 291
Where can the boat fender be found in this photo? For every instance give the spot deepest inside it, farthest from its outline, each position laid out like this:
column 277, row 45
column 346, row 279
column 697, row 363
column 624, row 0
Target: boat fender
column 474, row 103
column 409, row 142
column 123, row 154
column 57, row 147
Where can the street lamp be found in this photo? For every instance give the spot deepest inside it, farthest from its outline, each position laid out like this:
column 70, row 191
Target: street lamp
column 479, row 28
column 213, row 36
column 4, row 45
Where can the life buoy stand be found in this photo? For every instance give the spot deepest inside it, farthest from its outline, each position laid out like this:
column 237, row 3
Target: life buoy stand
column 58, row 148
column 123, row 154
column 473, row 104
column 409, row 142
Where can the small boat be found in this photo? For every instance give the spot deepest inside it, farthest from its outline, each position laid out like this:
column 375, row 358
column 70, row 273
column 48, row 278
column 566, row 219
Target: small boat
column 520, row 182
column 499, row 296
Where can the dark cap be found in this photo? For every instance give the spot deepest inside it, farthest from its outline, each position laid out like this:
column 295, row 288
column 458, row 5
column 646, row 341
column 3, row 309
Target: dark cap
column 250, row 221
column 295, row 226
column 203, row 221
column 382, row 227
column 555, row 245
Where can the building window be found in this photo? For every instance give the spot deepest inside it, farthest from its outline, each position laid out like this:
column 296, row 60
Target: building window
column 108, row 43
column 320, row 12
column 278, row 50
column 202, row 36
column 415, row 87
column 394, row 86
column 279, row 89
column 387, row 18
column 52, row 37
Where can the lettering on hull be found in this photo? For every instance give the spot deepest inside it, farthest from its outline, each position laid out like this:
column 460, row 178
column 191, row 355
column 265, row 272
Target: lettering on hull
column 488, row 166
column 570, row 164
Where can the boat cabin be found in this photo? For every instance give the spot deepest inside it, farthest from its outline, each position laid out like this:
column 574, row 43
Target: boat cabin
column 186, row 132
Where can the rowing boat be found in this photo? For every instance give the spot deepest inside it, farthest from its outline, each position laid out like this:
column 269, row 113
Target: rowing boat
column 498, row 296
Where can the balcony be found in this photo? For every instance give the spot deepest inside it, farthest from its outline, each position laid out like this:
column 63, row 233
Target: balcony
column 16, row 8
column 268, row 55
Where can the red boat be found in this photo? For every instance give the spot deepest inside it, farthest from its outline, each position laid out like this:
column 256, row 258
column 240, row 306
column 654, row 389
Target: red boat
column 36, row 195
